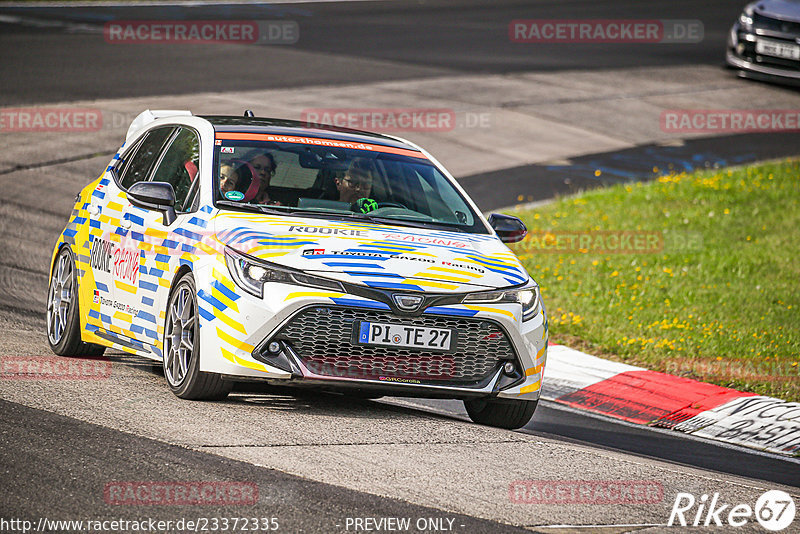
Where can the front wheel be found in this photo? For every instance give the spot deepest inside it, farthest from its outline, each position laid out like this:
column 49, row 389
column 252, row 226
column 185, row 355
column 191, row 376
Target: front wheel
column 500, row 413
column 182, row 348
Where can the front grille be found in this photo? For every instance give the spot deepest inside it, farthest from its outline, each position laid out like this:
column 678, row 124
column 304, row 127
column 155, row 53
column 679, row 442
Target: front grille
column 761, row 22
column 321, row 336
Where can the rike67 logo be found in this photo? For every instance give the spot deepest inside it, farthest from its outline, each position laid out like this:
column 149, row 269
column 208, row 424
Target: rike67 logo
column 774, row 510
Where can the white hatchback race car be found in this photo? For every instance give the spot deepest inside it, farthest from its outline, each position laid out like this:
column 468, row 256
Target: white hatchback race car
column 239, row 249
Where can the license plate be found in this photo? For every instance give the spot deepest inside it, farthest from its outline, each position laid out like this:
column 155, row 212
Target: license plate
column 399, row 335
column 777, row 49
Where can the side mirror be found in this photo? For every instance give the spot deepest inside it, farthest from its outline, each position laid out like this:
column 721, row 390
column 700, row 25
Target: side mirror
column 507, row 227
column 155, row 196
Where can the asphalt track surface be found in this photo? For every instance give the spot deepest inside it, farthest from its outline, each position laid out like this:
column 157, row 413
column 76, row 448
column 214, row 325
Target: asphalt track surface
column 545, row 181
column 53, row 482
column 339, row 42
column 55, row 464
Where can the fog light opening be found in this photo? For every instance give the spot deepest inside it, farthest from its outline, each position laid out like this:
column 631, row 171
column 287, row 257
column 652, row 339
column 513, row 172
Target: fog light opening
column 509, row 368
column 274, row 347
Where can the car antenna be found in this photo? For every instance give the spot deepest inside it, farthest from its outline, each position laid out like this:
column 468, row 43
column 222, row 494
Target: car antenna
column 249, row 113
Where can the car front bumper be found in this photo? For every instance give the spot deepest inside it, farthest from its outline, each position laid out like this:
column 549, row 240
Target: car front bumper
column 313, row 330
column 741, row 54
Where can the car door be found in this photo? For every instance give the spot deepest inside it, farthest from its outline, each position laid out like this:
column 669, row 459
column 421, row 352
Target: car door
column 113, row 251
column 159, row 245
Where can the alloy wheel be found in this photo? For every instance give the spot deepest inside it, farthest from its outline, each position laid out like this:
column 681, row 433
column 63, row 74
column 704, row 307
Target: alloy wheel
column 179, row 341
column 59, row 299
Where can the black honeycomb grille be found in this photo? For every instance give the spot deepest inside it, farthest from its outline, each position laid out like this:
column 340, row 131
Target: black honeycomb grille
column 321, row 336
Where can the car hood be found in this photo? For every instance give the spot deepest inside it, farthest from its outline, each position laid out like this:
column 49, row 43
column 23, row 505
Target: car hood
column 374, row 255
column 788, row 10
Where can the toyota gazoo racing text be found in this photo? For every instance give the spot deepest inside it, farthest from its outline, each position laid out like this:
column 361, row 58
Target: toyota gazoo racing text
column 240, row 249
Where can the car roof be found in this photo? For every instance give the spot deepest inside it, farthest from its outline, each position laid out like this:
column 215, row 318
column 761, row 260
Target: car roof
column 228, row 123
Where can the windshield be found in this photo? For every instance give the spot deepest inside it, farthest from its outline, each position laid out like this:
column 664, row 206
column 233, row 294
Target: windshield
column 385, row 184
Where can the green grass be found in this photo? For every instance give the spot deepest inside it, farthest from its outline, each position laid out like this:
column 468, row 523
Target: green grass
column 717, row 300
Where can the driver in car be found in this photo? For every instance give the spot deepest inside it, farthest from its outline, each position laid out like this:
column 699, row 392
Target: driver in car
column 356, row 185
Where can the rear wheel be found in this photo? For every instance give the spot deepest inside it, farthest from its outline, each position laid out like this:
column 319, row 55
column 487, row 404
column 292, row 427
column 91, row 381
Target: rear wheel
column 501, row 413
column 63, row 315
column 182, row 348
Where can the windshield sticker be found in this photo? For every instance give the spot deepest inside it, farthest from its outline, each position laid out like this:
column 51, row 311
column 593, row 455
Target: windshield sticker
column 234, row 195
column 235, row 136
column 227, row 150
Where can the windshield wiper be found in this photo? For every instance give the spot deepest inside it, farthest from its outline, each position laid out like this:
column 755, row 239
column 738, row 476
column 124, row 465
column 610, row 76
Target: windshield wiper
column 368, row 218
column 414, row 224
column 311, row 211
column 288, row 210
column 248, row 207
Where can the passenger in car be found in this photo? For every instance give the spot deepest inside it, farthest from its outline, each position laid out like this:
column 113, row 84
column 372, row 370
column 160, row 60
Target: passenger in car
column 238, row 175
column 228, row 178
column 265, row 165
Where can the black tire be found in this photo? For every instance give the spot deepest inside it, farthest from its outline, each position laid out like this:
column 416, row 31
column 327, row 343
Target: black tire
column 182, row 370
column 508, row 414
column 92, row 349
column 63, row 312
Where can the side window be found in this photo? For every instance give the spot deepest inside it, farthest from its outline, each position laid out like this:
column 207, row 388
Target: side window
column 442, row 203
column 180, row 166
column 140, row 162
column 125, row 159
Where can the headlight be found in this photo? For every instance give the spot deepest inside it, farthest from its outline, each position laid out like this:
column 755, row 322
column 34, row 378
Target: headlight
column 528, row 296
column 746, row 18
column 251, row 274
